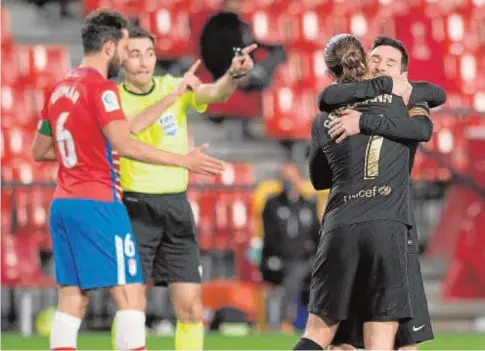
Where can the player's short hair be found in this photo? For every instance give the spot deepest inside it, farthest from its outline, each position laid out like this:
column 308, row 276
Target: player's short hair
column 388, row 41
column 346, row 58
column 136, row 31
column 100, row 27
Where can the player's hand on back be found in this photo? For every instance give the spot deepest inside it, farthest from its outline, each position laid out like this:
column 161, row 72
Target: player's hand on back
column 198, row 161
column 402, row 87
column 347, row 124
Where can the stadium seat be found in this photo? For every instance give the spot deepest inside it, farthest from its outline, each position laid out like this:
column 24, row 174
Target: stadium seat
column 269, row 25
column 465, row 278
column 171, row 29
column 10, row 65
column 10, row 273
column 17, row 102
column 6, row 36
column 237, row 174
column 289, row 112
column 205, row 201
column 475, row 132
column 17, row 143
column 45, row 64
column 7, row 210
column 426, row 52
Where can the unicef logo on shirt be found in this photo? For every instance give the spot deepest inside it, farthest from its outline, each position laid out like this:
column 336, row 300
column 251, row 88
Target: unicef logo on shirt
column 168, row 124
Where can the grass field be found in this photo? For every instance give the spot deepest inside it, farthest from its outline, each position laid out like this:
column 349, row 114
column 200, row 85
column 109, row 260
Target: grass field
column 101, row 341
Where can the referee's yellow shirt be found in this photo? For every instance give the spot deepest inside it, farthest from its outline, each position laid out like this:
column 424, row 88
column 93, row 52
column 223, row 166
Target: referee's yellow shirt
column 168, row 133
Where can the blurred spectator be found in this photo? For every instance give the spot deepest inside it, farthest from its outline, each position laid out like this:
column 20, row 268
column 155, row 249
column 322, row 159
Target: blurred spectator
column 225, row 31
column 291, row 228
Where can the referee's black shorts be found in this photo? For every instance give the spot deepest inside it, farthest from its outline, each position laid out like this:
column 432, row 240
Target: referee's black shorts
column 165, row 232
column 362, row 268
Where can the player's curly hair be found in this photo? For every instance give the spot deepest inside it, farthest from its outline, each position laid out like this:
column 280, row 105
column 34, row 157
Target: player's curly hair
column 100, row 27
column 345, row 58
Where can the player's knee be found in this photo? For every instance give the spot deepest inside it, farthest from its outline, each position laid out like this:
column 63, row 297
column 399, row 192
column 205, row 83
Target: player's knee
column 189, row 310
column 129, row 297
column 73, row 301
column 187, row 301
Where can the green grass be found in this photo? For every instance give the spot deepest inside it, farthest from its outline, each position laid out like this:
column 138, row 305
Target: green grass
column 101, row 341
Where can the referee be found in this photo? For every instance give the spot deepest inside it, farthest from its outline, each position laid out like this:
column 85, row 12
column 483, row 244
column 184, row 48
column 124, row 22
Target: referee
column 155, row 196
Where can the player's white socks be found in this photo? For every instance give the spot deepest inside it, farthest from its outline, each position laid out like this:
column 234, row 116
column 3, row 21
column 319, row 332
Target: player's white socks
column 130, row 330
column 64, row 331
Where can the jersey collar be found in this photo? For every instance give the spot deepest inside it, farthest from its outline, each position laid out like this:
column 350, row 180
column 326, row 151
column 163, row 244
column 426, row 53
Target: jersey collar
column 125, row 88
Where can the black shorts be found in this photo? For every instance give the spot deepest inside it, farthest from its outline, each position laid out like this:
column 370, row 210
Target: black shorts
column 414, row 331
column 362, row 268
column 165, row 232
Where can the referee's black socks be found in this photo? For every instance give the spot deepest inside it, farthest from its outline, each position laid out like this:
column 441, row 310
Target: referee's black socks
column 306, row 344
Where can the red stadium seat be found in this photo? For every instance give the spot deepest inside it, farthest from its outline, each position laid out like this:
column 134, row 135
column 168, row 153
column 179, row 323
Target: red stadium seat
column 289, row 112
column 307, row 29
column 10, row 273
column 426, row 53
column 46, row 64
column 171, row 29
column 17, row 142
column 269, row 26
column 7, row 208
column 31, row 274
column 5, row 29
column 237, row 174
column 367, row 25
column 458, row 33
column 17, row 102
column 10, row 65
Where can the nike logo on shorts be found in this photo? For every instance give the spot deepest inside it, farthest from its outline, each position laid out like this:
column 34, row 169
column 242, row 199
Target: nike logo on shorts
column 415, row 329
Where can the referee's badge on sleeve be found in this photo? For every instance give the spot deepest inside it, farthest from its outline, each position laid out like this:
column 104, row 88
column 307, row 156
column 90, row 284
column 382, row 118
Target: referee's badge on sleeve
column 110, row 101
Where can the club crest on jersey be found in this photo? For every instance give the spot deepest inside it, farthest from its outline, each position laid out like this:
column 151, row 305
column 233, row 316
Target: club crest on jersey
column 110, row 101
column 168, row 124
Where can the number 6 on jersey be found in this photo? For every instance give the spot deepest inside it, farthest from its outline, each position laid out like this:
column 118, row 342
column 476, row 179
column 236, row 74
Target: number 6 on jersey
column 65, row 142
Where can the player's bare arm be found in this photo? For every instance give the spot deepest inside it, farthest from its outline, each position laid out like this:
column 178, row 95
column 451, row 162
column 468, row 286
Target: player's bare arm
column 146, row 118
column 222, row 89
column 43, row 145
column 419, row 128
column 196, row 161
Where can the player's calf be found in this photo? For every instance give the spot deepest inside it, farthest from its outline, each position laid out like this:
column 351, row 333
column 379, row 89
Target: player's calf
column 130, row 300
column 318, row 334
column 380, row 335
column 186, row 298
column 71, row 308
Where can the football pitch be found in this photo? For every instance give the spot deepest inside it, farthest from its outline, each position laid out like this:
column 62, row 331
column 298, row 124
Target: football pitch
column 215, row 341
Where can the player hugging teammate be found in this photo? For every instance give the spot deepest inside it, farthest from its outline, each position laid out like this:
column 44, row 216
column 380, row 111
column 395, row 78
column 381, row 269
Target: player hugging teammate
column 360, row 274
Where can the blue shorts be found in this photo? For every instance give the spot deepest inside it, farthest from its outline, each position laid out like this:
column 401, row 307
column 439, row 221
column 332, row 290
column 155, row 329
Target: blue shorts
column 93, row 243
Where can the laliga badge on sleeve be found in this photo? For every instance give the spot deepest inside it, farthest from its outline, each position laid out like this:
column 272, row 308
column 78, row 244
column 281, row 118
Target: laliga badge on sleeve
column 110, row 101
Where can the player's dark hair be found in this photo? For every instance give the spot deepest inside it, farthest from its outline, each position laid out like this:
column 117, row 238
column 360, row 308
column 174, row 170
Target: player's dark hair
column 345, row 57
column 100, row 27
column 136, row 31
column 396, row 44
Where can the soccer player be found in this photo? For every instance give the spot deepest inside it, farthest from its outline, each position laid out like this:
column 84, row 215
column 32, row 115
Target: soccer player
column 361, row 259
column 85, row 129
column 388, row 57
column 155, row 196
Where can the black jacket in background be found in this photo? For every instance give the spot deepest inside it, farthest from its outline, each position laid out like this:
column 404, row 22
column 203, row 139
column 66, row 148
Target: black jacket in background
column 281, row 239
